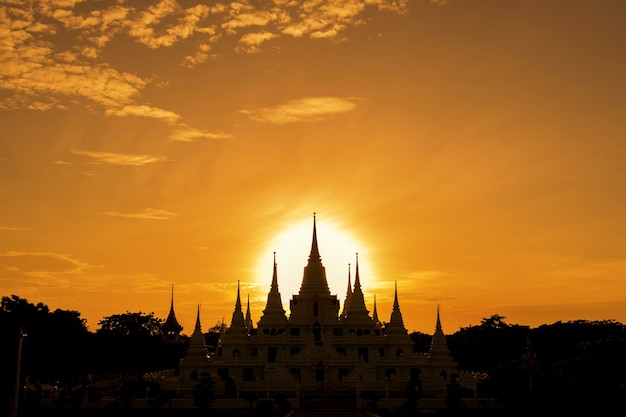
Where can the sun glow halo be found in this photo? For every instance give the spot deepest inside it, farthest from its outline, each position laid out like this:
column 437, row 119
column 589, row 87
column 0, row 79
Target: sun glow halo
column 338, row 249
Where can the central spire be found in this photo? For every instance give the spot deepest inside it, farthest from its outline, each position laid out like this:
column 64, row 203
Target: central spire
column 315, row 253
column 314, row 276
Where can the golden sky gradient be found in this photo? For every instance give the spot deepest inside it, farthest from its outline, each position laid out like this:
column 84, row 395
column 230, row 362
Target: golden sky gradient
column 473, row 151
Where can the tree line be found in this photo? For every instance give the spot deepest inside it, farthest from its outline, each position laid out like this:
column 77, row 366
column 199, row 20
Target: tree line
column 59, row 348
column 572, row 364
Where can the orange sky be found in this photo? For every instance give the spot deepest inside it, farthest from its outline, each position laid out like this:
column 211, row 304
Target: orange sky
column 471, row 151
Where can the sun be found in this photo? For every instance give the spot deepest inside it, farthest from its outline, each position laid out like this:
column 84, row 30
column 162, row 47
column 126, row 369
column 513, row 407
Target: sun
column 337, row 247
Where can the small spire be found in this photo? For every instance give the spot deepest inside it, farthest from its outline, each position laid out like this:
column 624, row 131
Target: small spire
column 375, row 314
column 172, row 304
column 346, row 304
column 248, row 315
column 349, row 290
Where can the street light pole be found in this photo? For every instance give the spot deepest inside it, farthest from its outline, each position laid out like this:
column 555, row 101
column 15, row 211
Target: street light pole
column 21, row 336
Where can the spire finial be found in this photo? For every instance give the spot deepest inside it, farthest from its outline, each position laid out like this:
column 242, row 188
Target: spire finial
column 349, row 279
column 248, row 315
column 346, row 304
column 375, row 318
column 395, row 296
column 198, row 326
column 357, row 279
column 275, row 275
column 238, row 303
column 315, row 253
column 438, row 324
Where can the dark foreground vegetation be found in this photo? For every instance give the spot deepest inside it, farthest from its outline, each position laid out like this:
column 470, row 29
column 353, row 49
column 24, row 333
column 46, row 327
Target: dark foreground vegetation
column 576, row 367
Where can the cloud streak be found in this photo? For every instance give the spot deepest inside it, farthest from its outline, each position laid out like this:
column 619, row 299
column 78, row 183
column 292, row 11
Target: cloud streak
column 184, row 133
column 310, row 109
column 15, row 228
column 144, row 110
column 119, row 158
column 42, row 265
column 147, row 213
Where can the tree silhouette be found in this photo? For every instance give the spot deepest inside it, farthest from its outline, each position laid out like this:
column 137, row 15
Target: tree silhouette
column 54, row 346
column 130, row 324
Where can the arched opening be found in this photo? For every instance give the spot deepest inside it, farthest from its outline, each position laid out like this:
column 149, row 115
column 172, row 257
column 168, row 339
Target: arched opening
column 320, row 371
column 317, row 334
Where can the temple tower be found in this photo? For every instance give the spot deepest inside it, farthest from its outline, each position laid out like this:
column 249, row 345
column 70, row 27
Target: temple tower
column 439, row 357
column 196, row 360
column 274, row 314
column 171, row 328
column 357, row 314
column 314, row 305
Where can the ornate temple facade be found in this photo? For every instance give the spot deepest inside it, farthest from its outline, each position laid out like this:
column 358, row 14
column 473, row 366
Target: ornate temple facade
column 322, row 346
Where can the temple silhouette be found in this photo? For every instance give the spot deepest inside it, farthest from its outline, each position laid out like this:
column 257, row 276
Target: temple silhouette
column 322, row 347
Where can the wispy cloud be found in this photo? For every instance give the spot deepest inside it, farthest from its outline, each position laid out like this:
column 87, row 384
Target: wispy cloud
column 42, row 265
column 119, row 158
column 310, row 109
column 144, row 110
column 199, row 56
column 184, row 133
column 147, row 213
column 251, row 42
column 413, row 276
column 42, row 74
column 15, row 228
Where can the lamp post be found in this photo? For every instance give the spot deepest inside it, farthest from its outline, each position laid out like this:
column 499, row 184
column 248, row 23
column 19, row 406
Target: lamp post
column 21, row 336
